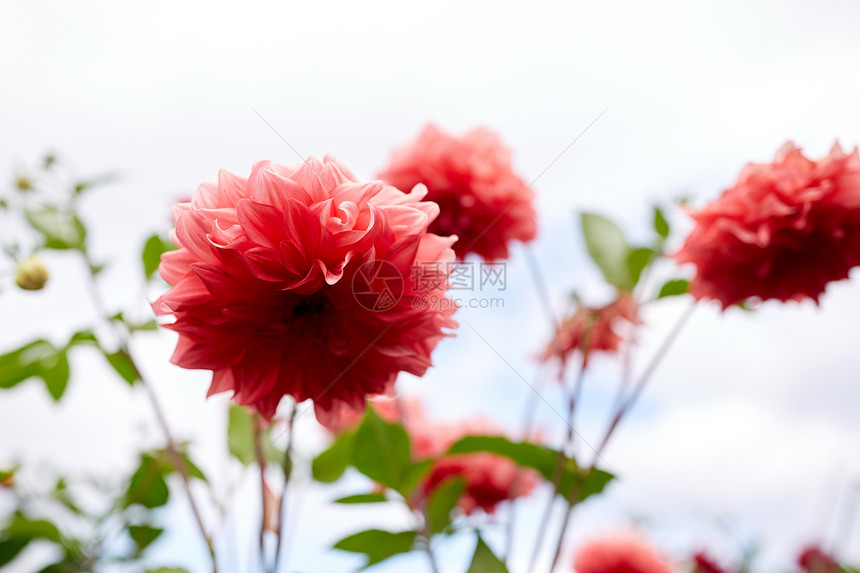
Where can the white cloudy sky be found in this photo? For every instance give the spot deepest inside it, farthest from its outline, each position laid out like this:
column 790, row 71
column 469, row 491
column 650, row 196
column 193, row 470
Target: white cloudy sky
column 751, row 421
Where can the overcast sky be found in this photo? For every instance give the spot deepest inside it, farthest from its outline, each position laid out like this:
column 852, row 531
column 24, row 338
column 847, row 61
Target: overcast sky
column 750, row 429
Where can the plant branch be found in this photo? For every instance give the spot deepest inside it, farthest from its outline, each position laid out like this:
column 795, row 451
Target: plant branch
column 161, row 418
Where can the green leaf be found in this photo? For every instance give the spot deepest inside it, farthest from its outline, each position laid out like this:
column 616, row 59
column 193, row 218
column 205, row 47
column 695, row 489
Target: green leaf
column 608, row 249
column 240, row 434
column 540, row 458
column 18, row 365
column 637, row 260
column 166, row 462
column 143, row 536
column 122, row 363
column 154, row 247
column 661, row 224
column 87, row 184
column 378, row 545
column 329, row 466
column 25, row 528
column 147, row 486
column 10, row 548
column 362, row 498
column 149, row 326
column 39, row 358
column 485, row 561
column 56, row 377
column 192, row 469
column 61, row 229
column 442, row 501
column 412, row 475
column 674, row 287
column 381, row 450
column 82, row 337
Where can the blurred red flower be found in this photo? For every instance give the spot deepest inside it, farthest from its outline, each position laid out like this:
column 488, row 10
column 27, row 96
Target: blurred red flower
column 705, row 564
column 489, row 478
column 591, row 329
column 482, row 200
column 295, row 282
column 813, row 559
column 783, row 231
column 620, row 553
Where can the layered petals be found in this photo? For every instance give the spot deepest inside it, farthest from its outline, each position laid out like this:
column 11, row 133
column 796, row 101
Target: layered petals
column 264, row 285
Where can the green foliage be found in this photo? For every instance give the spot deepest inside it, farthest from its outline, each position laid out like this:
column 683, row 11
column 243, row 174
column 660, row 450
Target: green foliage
column 147, row 486
column 20, row 530
column 39, row 359
column 240, row 438
column 674, row 287
column 143, row 536
column 441, row 503
column 485, row 561
column 661, row 224
column 381, row 451
column 87, row 184
column 637, row 260
column 378, row 545
column 61, row 229
column 240, row 434
column 608, row 249
column 154, row 247
column 123, row 365
column 621, row 264
column 362, row 498
column 540, row 458
column 378, row 449
column 329, row 466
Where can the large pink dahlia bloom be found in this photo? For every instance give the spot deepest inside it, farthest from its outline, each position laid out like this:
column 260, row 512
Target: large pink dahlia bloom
column 784, row 231
column 622, row 553
column 296, row 281
column 482, row 200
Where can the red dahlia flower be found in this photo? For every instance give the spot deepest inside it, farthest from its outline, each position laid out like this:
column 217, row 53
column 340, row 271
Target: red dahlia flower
column 784, row 231
column 482, row 200
column 625, row 553
column 295, row 282
column 590, row 329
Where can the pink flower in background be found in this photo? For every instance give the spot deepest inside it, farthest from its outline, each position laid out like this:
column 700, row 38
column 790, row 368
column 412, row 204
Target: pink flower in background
column 273, row 276
column 784, row 231
column 622, row 553
column 814, row 560
column 489, row 478
column 590, row 329
column 482, row 200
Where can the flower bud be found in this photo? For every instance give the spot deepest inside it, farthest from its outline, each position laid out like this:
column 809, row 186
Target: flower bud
column 32, row 274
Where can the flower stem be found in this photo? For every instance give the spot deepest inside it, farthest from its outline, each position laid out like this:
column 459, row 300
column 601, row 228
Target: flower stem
column 624, row 408
column 288, row 470
column 160, row 417
column 256, row 421
column 558, row 471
